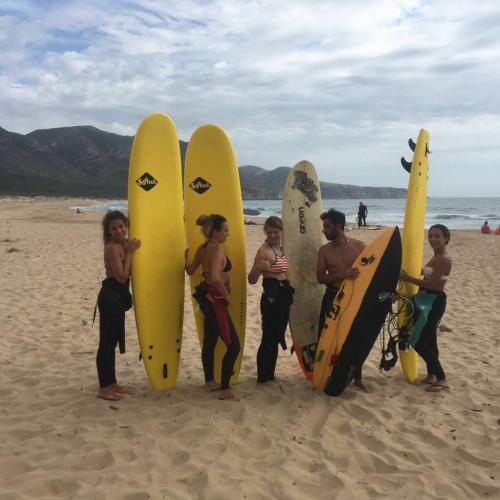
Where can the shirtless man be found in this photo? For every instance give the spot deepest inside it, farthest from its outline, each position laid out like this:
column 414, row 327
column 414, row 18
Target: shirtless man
column 335, row 260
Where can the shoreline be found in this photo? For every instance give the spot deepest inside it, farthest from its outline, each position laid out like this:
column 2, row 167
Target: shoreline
column 71, row 204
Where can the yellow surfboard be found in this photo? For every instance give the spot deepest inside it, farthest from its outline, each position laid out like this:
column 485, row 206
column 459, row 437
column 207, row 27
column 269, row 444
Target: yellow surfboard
column 212, row 186
column 413, row 237
column 156, row 218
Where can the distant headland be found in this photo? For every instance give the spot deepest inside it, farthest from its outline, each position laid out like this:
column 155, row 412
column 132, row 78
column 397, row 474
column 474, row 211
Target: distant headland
column 86, row 161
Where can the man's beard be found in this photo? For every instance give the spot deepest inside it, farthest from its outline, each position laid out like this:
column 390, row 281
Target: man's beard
column 332, row 236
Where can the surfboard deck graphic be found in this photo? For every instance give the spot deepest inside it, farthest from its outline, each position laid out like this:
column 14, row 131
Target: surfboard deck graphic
column 212, row 186
column 302, row 238
column 357, row 310
column 413, row 240
column 155, row 210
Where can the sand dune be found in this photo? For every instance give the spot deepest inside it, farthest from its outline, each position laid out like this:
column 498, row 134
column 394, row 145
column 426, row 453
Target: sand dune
column 283, row 441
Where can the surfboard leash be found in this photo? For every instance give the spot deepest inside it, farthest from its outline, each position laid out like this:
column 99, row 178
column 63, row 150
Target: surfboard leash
column 393, row 335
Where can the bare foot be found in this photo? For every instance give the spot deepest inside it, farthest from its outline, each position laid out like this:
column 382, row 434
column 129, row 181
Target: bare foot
column 359, row 385
column 120, row 389
column 211, row 385
column 444, row 328
column 109, row 394
column 274, row 381
column 440, row 385
column 430, row 379
column 228, row 394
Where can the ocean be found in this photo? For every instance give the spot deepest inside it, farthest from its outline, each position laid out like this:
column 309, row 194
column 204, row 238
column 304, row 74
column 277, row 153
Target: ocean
column 456, row 213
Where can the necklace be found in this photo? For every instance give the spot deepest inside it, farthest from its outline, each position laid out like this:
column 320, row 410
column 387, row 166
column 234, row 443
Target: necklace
column 273, row 248
column 347, row 241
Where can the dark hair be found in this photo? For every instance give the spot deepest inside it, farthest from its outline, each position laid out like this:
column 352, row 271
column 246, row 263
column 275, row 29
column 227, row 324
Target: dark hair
column 334, row 216
column 108, row 219
column 273, row 222
column 444, row 230
column 210, row 223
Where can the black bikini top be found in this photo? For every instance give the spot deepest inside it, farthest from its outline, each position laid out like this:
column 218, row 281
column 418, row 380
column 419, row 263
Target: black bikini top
column 227, row 266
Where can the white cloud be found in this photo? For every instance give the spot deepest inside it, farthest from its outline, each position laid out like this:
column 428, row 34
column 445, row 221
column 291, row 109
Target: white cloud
column 340, row 83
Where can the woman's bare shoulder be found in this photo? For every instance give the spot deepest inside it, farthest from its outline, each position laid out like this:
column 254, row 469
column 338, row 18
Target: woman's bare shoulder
column 112, row 248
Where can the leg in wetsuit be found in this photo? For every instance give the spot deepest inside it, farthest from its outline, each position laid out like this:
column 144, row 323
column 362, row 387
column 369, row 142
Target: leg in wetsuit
column 113, row 300
column 427, row 344
column 218, row 323
column 326, row 307
column 110, row 327
column 275, row 302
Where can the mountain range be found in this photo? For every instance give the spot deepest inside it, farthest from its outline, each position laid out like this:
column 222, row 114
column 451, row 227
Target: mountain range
column 85, row 161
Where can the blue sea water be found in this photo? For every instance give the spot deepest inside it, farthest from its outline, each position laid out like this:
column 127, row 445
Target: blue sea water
column 456, row 213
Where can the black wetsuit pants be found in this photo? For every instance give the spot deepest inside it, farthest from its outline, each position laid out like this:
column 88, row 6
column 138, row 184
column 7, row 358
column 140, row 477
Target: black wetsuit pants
column 275, row 302
column 427, row 344
column 326, row 305
column 211, row 334
column 113, row 300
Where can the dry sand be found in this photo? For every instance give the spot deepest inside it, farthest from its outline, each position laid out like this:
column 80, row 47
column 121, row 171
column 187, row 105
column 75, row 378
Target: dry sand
column 283, row 441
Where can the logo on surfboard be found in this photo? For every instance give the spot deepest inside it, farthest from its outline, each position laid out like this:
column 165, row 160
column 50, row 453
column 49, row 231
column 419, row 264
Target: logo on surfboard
column 146, row 181
column 200, row 185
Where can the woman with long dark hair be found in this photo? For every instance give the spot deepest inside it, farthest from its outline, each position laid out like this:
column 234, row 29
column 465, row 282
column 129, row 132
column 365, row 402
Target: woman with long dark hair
column 430, row 305
column 113, row 300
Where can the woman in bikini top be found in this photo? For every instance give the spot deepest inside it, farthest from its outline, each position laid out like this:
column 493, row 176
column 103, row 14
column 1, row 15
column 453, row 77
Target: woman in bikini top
column 430, row 304
column 214, row 302
column 277, row 296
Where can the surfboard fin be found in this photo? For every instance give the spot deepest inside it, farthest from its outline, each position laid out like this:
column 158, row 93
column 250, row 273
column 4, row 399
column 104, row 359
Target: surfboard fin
column 406, row 164
column 411, row 144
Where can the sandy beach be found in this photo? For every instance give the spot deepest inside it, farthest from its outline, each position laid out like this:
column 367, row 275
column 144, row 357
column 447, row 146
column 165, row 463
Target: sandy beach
column 283, row 441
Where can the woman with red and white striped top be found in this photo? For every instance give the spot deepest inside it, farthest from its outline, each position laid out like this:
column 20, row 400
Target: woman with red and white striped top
column 277, row 297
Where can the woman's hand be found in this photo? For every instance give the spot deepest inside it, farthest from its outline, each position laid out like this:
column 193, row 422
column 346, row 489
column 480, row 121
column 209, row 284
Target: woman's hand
column 132, row 246
column 404, row 276
column 264, row 265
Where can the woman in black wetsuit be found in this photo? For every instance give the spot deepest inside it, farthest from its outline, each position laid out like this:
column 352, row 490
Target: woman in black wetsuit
column 213, row 294
column 431, row 302
column 113, row 300
column 277, row 297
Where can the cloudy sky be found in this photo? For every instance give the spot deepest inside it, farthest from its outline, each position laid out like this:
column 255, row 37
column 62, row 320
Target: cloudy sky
column 342, row 83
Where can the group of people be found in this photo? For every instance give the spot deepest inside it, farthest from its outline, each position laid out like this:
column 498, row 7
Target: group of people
column 486, row 229
column 334, row 264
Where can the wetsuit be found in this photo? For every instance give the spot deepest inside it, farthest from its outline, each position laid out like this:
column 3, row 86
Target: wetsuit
column 113, row 300
column 275, row 302
column 326, row 309
column 217, row 323
column 431, row 305
column 362, row 213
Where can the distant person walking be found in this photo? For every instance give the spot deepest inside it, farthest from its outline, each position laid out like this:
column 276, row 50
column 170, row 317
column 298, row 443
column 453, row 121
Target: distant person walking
column 485, row 229
column 362, row 214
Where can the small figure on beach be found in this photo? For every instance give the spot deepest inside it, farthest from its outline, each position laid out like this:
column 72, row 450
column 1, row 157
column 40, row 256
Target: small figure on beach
column 276, row 299
column 497, row 230
column 113, row 300
column 362, row 214
column 485, row 228
column 213, row 295
column 432, row 301
column 335, row 260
